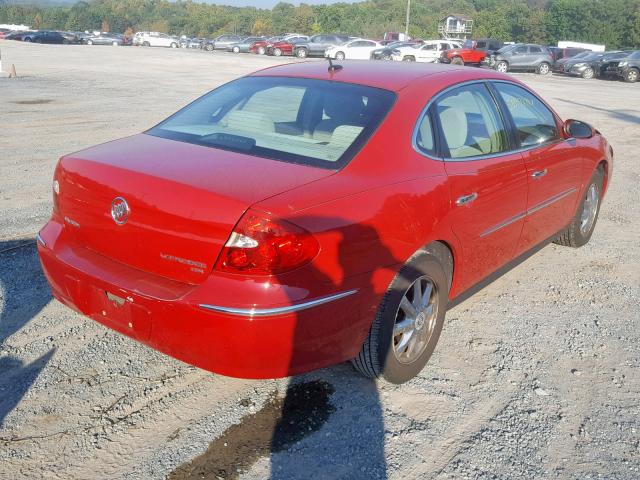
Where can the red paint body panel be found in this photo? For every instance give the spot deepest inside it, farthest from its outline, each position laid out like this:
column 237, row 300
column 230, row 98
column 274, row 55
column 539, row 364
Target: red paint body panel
column 368, row 219
column 468, row 55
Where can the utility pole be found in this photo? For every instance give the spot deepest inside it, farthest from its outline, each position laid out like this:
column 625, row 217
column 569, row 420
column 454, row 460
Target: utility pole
column 406, row 29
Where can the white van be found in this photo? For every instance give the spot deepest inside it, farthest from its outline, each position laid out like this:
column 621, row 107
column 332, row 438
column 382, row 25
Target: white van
column 155, row 39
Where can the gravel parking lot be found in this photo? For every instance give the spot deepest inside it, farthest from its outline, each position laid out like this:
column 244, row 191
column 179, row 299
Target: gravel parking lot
column 537, row 376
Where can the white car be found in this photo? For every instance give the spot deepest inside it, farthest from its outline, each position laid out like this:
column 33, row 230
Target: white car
column 428, row 51
column 356, row 49
column 155, row 39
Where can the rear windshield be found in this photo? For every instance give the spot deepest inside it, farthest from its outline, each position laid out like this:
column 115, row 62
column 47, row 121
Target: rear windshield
column 313, row 122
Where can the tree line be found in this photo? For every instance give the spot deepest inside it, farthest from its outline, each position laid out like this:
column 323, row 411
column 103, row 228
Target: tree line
column 615, row 23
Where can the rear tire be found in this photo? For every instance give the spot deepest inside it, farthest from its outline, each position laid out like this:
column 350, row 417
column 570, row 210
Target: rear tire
column 236, row 49
column 409, row 58
column 457, row 61
column 146, row 44
column 261, row 50
column 174, row 45
column 543, row 69
column 632, row 75
column 115, row 44
column 340, row 56
column 581, row 228
column 89, row 42
column 277, row 52
column 301, row 53
column 379, row 355
column 208, row 47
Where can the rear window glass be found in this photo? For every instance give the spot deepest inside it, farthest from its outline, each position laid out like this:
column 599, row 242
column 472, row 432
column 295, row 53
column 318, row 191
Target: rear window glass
column 314, row 122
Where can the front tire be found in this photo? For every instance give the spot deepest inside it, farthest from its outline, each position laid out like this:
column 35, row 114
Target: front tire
column 457, row 61
column 236, row 49
column 174, row 45
column 261, row 50
column 581, row 228
column 632, row 75
column 301, row 53
column 209, row 47
column 410, row 317
column 277, row 52
column 409, row 58
column 89, row 42
column 588, row 73
column 502, row 67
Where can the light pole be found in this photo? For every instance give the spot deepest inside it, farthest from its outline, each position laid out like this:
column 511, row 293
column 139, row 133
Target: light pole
column 406, row 29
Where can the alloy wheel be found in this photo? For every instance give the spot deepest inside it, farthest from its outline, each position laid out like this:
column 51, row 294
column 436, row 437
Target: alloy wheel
column 502, row 67
column 632, row 75
column 543, row 69
column 589, row 209
column 415, row 320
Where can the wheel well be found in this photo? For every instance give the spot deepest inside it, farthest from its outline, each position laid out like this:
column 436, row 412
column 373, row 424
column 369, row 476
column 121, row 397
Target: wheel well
column 446, row 252
column 604, row 166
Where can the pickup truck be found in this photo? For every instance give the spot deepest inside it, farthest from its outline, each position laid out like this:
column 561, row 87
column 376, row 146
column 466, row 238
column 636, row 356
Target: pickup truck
column 472, row 52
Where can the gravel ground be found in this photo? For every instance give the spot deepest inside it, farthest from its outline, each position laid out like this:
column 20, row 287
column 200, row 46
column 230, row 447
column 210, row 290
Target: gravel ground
column 536, row 376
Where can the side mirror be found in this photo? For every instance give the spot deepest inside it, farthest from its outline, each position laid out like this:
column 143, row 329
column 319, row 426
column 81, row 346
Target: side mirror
column 578, row 129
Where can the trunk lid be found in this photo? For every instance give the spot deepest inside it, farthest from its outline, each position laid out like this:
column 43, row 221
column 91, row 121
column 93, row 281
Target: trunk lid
column 183, row 200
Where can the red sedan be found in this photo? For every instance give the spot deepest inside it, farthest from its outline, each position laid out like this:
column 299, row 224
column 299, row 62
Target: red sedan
column 304, row 216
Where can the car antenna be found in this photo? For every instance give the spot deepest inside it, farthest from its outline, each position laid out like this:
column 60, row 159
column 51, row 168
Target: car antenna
column 332, row 67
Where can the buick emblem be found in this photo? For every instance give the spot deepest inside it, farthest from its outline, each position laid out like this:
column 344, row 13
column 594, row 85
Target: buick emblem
column 120, row 210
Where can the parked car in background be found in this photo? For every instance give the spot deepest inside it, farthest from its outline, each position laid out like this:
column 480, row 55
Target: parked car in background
column 559, row 53
column 18, row 35
column 45, row 36
column 192, row 42
column 384, row 52
column 285, row 46
column 356, row 49
column 472, row 52
column 244, row 45
column 629, row 67
column 428, row 52
column 607, row 66
column 558, row 65
column 260, row 47
column 584, row 66
column 113, row 39
column 316, row 45
column 221, row 42
column 4, row 32
column 317, row 218
column 155, row 39
column 523, row 56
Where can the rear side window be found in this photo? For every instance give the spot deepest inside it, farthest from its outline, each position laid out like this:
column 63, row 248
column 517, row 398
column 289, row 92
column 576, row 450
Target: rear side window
column 314, row 122
column 535, row 123
column 470, row 122
column 535, row 49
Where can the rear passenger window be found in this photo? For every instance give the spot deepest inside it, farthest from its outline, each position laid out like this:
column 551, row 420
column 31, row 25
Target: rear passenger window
column 471, row 124
column 535, row 124
column 424, row 137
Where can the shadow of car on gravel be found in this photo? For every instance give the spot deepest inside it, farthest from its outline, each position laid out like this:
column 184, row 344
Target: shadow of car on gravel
column 328, row 425
column 23, row 293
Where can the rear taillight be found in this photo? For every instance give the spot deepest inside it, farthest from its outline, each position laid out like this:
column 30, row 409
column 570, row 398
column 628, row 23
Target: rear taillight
column 263, row 245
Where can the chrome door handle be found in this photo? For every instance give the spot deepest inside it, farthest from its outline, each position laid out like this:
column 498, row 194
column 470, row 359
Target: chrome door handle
column 539, row 173
column 463, row 200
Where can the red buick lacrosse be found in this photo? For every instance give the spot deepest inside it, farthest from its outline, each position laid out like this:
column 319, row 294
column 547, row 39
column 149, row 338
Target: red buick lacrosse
column 310, row 214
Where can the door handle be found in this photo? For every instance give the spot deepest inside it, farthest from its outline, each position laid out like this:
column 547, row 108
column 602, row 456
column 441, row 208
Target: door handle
column 539, row 173
column 463, row 200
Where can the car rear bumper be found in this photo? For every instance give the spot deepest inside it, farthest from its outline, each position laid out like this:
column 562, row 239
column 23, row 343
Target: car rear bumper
column 199, row 324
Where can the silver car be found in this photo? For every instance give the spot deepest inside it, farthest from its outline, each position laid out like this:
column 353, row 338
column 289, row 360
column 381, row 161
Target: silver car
column 523, row 56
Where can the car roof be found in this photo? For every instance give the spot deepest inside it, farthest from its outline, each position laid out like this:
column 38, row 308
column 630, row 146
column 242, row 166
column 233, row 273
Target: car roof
column 387, row 75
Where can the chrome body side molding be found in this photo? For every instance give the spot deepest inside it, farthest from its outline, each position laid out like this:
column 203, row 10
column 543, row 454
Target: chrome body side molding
column 265, row 312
